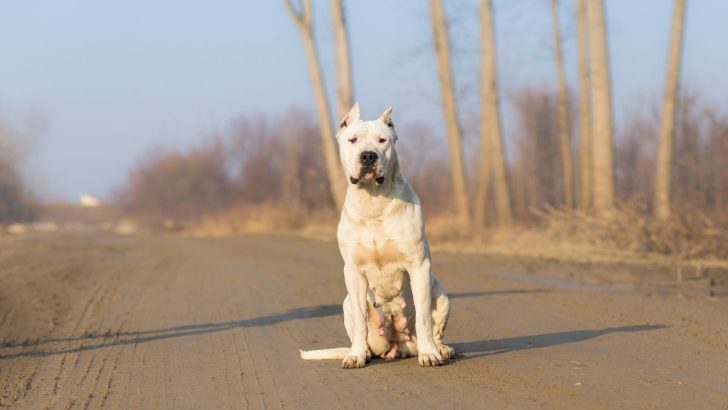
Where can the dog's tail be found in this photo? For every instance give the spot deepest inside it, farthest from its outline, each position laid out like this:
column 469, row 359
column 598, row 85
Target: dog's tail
column 324, row 354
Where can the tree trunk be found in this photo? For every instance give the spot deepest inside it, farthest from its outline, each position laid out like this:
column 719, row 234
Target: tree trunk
column 442, row 51
column 667, row 132
column 566, row 163
column 334, row 173
column 344, row 98
column 602, row 143
column 585, row 133
column 491, row 138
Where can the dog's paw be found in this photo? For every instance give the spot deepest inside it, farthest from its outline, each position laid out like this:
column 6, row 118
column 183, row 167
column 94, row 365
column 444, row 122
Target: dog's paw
column 446, row 351
column 430, row 359
column 354, row 361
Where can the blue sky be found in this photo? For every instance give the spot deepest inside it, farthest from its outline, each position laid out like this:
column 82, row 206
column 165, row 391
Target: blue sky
column 112, row 79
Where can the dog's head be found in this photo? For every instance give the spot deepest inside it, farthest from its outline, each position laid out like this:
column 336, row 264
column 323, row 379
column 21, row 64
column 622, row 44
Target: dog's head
column 367, row 147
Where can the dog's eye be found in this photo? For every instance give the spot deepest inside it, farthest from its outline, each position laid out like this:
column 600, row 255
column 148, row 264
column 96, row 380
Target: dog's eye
column 382, row 140
column 353, row 140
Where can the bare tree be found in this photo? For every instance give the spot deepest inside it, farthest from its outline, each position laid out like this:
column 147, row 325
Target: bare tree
column 344, row 98
column 566, row 163
column 585, row 134
column 667, row 132
column 17, row 201
column 304, row 22
column 536, row 165
column 449, row 105
column 492, row 156
column 602, row 154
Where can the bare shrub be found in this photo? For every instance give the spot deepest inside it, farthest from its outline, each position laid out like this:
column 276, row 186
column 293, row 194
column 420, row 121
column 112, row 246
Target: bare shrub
column 269, row 174
column 424, row 162
column 17, row 202
column 628, row 229
column 279, row 163
column 635, row 159
column 537, row 176
column 699, row 171
column 252, row 162
column 178, row 186
column 716, row 184
column 700, row 139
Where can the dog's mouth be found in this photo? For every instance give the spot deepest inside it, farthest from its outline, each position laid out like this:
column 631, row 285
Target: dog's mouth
column 367, row 174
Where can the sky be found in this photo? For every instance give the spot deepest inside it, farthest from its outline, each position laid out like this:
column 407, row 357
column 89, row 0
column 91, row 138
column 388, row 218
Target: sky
column 111, row 80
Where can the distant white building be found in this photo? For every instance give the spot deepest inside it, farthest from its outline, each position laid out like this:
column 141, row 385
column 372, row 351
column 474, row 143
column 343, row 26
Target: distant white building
column 89, row 201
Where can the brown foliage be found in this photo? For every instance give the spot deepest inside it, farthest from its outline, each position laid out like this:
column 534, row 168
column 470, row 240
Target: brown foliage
column 701, row 140
column 697, row 228
column 280, row 163
column 635, row 159
column 260, row 174
column 688, row 235
column 178, row 185
column 251, row 163
column 699, row 169
column 537, row 176
column 424, row 162
column 699, row 173
column 17, row 203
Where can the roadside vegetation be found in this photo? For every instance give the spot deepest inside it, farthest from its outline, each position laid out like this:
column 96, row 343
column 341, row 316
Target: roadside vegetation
column 17, row 202
column 266, row 174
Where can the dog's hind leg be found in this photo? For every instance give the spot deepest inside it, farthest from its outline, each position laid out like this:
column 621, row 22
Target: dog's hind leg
column 440, row 314
column 376, row 341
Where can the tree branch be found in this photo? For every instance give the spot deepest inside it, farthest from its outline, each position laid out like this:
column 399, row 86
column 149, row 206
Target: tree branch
column 299, row 18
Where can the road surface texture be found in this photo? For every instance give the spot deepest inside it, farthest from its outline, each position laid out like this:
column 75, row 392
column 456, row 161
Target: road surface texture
column 93, row 320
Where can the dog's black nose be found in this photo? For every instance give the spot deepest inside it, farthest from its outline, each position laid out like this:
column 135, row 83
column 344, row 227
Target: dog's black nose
column 368, row 157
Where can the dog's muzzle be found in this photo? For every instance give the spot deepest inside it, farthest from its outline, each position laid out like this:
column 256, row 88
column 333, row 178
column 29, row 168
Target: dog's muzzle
column 368, row 161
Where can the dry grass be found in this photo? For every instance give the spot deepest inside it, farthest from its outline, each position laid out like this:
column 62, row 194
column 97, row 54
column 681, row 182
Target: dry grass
column 625, row 235
column 65, row 213
column 687, row 236
column 266, row 218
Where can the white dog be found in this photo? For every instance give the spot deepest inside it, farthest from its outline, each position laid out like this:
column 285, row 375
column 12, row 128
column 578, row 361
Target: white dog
column 395, row 306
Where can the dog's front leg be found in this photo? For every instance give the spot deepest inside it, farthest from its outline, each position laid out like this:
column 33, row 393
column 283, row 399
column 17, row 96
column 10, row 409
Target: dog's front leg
column 356, row 286
column 421, row 281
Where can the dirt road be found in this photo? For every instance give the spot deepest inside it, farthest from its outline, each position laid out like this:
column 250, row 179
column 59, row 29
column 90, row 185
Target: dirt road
column 96, row 320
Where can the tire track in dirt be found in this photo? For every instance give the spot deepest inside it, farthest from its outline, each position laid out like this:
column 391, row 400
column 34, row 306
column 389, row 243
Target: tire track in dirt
column 124, row 343
column 33, row 281
column 80, row 333
column 241, row 371
column 81, row 319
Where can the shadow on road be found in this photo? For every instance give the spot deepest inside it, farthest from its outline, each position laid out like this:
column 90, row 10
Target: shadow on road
column 471, row 350
column 133, row 337
column 94, row 341
column 136, row 337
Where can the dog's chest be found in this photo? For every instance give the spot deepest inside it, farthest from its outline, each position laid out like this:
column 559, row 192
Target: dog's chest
column 383, row 263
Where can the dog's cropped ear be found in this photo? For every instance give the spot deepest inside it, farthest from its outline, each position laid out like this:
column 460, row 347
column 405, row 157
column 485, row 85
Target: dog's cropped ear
column 386, row 117
column 351, row 117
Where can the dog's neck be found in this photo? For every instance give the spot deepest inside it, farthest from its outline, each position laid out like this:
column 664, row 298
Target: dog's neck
column 369, row 200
